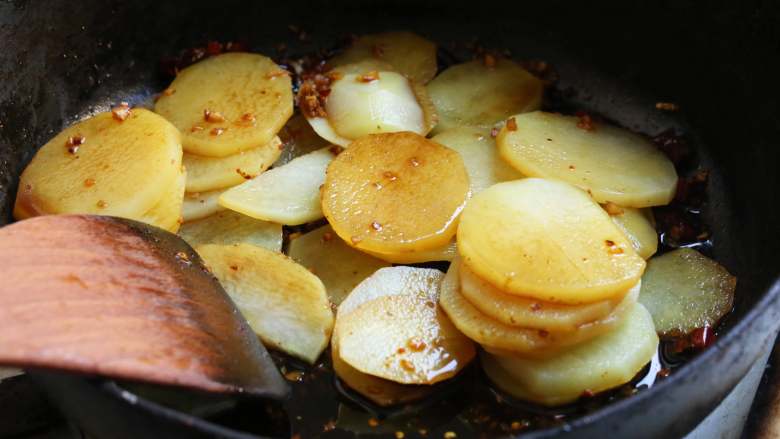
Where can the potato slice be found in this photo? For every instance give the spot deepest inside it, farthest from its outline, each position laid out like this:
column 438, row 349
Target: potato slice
column 392, row 281
column 498, row 337
column 638, row 227
column 363, row 66
column 209, row 173
column 408, row 53
column 611, row 163
column 121, row 168
column 228, row 227
column 298, row 139
column 395, row 193
column 547, row 240
column 480, row 156
column 289, row 194
column 340, row 267
column 248, row 97
column 477, row 95
column 167, row 213
column 684, row 290
column 525, row 312
column 199, row 205
column 600, row 364
column 446, row 253
column 399, row 333
column 283, row 302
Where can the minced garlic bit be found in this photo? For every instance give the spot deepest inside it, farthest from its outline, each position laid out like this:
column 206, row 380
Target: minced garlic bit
column 376, row 226
column 277, row 73
column 667, row 106
column 613, row 248
column 196, row 128
column 406, row 365
column 217, row 131
column 369, row 77
column 244, row 174
column 89, row 182
column 74, row 142
column 213, row 116
column 613, row 209
column 248, row 117
column 415, row 344
column 121, row 111
column 511, row 124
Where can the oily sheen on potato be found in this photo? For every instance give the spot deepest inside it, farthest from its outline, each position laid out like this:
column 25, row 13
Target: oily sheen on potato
column 481, row 93
column 612, row 164
column 289, row 194
column 394, row 193
column 283, row 302
column 400, row 334
column 228, row 103
column 103, row 165
column 547, row 240
column 210, row 173
column 228, row 227
column 637, row 225
column 600, row 364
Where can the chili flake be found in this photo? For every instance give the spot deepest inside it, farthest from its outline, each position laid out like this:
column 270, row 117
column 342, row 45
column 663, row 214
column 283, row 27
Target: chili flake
column 585, row 121
column 369, row 77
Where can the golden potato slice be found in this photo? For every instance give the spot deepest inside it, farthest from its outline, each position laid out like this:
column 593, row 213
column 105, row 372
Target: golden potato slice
column 498, row 337
column 685, row 290
column 600, row 364
column 298, row 139
column 395, row 193
column 408, row 53
column 392, row 281
column 118, row 168
column 546, row 240
column 525, row 312
column 477, row 95
column 480, row 156
column 209, row 173
column 446, row 253
column 283, row 302
column 167, row 213
column 228, row 227
column 199, row 205
column 637, row 225
column 399, row 333
column 289, row 194
column 228, row 103
column 612, row 164
column 340, row 267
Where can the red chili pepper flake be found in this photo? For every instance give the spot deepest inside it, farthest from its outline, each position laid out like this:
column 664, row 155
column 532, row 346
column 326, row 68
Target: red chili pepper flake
column 511, row 124
column 196, row 128
column 213, row 48
column 121, row 111
column 217, row 131
column 376, row 226
column 494, row 132
column 612, row 247
column 74, row 142
column 585, row 121
column 667, row 106
column 248, row 118
column 102, row 204
column 89, row 182
column 368, row 77
column 213, row 116
column 335, row 149
column 243, row 174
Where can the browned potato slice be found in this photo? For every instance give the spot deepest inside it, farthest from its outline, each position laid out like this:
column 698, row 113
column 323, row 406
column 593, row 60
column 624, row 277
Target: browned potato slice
column 395, row 193
column 514, row 310
column 298, row 139
column 118, row 168
column 612, row 164
column 478, row 95
column 547, row 240
column 685, row 290
column 446, row 253
column 408, row 53
column 228, row 227
column 284, row 303
column 228, row 103
column 199, row 205
column 340, row 267
column 637, row 225
column 402, row 337
column 167, row 213
column 498, row 337
column 209, row 173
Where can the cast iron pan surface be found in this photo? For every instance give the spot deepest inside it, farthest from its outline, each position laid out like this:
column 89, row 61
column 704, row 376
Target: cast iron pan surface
column 62, row 60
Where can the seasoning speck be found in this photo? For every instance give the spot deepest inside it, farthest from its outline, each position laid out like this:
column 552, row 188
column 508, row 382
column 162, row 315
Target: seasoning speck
column 329, row 426
column 217, row 131
column 667, row 106
column 102, row 204
column 369, row 77
column 585, row 121
column 196, row 128
column 415, row 344
column 494, row 132
column 245, row 175
column 406, row 365
column 489, row 60
column 376, row 226
column 327, row 236
column 295, row 376
column 213, row 116
column 373, row 422
column 121, row 111
column 511, row 124
column 89, row 182
column 74, row 142
column 613, row 209
column 414, row 162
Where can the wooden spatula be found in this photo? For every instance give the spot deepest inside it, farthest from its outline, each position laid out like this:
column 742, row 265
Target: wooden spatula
column 117, row 298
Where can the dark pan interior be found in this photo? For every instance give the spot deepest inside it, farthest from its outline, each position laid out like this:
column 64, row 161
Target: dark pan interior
column 60, row 60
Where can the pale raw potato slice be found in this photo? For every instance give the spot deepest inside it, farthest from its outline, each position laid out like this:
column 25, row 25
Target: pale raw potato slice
column 395, row 193
column 298, row 138
column 684, row 290
column 514, row 310
column 637, row 225
column 498, row 337
column 408, row 53
column 122, row 168
column 403, row 337
column 445, row 253
column 210, row 173
column 480, row 156
column 283, row 302
column 167, row 213
column 228, row 227
column 600, row 364
column 340, row 267
column 199, row 205
column 393, row 281
column 477, row 95
column 289, row 194
column 612, row 164
column 547, row 240
column 248, row 97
